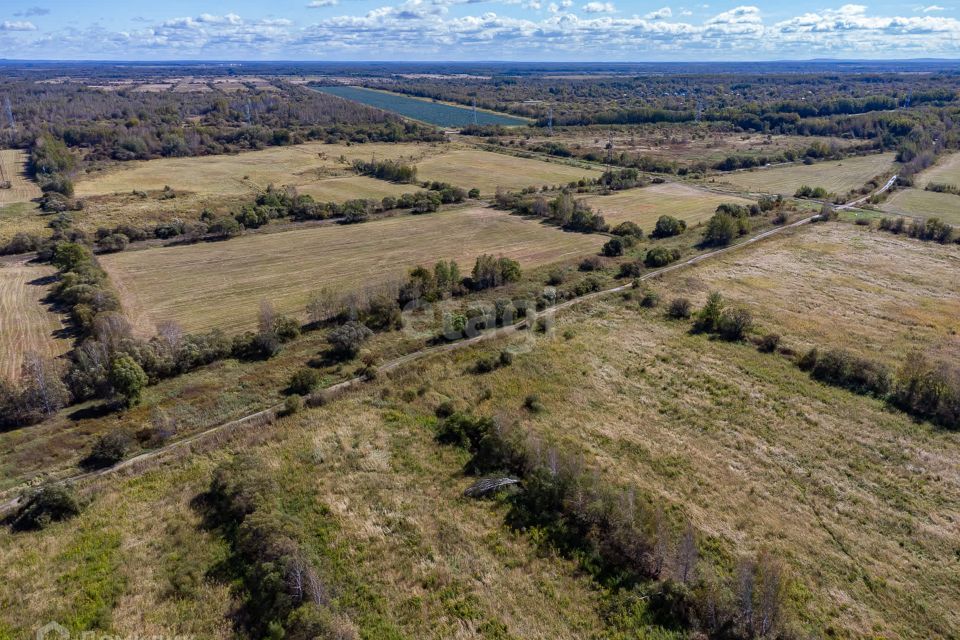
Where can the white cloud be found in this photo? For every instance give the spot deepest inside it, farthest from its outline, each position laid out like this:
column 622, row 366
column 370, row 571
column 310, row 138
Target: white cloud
column 552, row 7
column 599, row 7
column 659, row 14
column 931, row 9
column 17, row 25
column 315, row 4
column 32, row 11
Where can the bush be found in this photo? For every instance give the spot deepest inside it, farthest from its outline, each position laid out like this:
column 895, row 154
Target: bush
column 769, row 343
column 303, row 381
column 630, row 269
column 628, row 229
column 345, row 341
column 929, row 390
column 735, row 324
column 286, row 328
column 843, row 369
column 679, row 309
column 708, row 318
column 660, row 257
column 292, row 404
column 668, row 226
column 533, row 404
column 721, row 230
column 462, row 430
column 593, row 263
column 613, row 247
column 650, row 299
column 51, row 503
column 108, row 450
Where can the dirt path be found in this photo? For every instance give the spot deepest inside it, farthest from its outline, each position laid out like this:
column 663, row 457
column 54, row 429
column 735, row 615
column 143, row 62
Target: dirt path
column 269, row 414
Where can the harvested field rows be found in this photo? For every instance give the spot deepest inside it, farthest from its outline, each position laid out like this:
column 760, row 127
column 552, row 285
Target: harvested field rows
column 924, row 204
column 644, row 206
column 836, row 176
column 221, row 284
column 486, row 170
column 13, row 169
column 25, row 323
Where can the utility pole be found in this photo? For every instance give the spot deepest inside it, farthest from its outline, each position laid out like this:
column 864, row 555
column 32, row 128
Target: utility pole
column 550, row 121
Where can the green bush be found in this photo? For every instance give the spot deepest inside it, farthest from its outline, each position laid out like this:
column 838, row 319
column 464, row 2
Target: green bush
column 108, row 450
column 50, row 503
column 735, row 324
column 668, row 226
column 613, row 247
column 303, row 381
column 679, row 309
column 660, row 257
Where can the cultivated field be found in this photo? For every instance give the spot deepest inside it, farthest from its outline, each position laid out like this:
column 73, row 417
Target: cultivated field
column 486, row 170
column 836, row 176
column 924, row 204
column 13, row 169
column 306, row 165
column 644, row 206
column 838, row 285
column 25, row 323
column 946, row 171
column 221, row 284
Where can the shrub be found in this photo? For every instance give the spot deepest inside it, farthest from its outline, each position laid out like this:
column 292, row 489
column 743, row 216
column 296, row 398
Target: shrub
column 473, row 194
column 735, row 324
column 286, row 328
column 679, row 309
column 533, row 404
column 115, row 242
column 613, row 247
column 628, row 229
column 843, row 369
column 108, row 450
column 463, row 430
column 660, row 257
column 650, row 299
column 345, row 341
column 668, row 226
column 303, row 381
column 556, row 277
column 708, row 318
column 630, row 269
column 593, row 263
column 506, row 358
column 292, row 404
column 929, row 390
column 50, row 503
column 769, row 343
column 445, row 409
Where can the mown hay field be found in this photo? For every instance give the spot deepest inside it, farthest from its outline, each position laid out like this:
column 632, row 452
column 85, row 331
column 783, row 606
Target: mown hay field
column 644, row 206
column 486, row 170
column 26, row 325
column 220, row 284
column 833, row 285
column 304, row 165
column 947, row 170
column 13, row 169
column 924, row 204
column 836, row 176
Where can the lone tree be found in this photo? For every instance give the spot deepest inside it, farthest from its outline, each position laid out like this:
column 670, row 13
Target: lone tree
column 128, row 379
column 720, row 231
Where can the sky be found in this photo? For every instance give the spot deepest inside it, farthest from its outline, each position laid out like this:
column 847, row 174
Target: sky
column 451, row 30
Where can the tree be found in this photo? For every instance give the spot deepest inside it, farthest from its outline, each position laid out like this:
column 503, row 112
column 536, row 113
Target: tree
column 108, row 450
column 44, row 391
column 613, row 247
column 303, row 381
column 661, row 256
column 266, row 318
column 668, row 226
column 708, row 318
column 128, row 379
column 720, row 231
column 735, row 323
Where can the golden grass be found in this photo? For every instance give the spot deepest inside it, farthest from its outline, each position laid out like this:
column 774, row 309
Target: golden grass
column 836, row 176
column 22, row 217
column 25, row 323
column 307, row 165
column 486, row 170
column 644, row 206
column 221, row 284
column 839, row 285
column 13, row 168
column 947, row 170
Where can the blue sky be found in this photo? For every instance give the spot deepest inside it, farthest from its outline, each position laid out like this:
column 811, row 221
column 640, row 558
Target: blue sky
column 577, row 30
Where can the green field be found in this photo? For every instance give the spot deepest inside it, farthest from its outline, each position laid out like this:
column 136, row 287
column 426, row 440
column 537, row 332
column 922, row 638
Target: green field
column 220, row 284
column 836, row 176
column 485, row 170
column 643, row 206
column 924, row 204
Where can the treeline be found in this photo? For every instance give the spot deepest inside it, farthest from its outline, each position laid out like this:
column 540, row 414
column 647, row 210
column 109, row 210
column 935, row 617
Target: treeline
column 125, row 124
column 391, row 170
column 563, row 210
column 621, row 537
column 932, row 229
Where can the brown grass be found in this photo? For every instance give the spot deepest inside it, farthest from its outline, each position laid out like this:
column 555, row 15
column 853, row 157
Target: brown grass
column 26, row 325
column 486, row 170
column 13, row 168
column 644, row 206
column 220, row 284
column 836, row 176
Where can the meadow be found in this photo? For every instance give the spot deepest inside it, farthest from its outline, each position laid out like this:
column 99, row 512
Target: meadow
column 26, row 324
column 486, row 170
column 220, row 284
column 643, row 206
column 836, row 176
column 13, row 169
column 919, row 203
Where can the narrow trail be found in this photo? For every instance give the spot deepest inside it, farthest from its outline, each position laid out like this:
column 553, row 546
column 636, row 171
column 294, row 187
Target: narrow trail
column 267, row 415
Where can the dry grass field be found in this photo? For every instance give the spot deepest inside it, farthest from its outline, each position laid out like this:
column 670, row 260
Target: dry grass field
column 838, row 285
column 304, row 165
column 13, row 169
column 25, row 323
column 836, row 176
column 644, row 206
column 946, row 171
column 486, row 170
column 924, row 204
column 221, row 284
